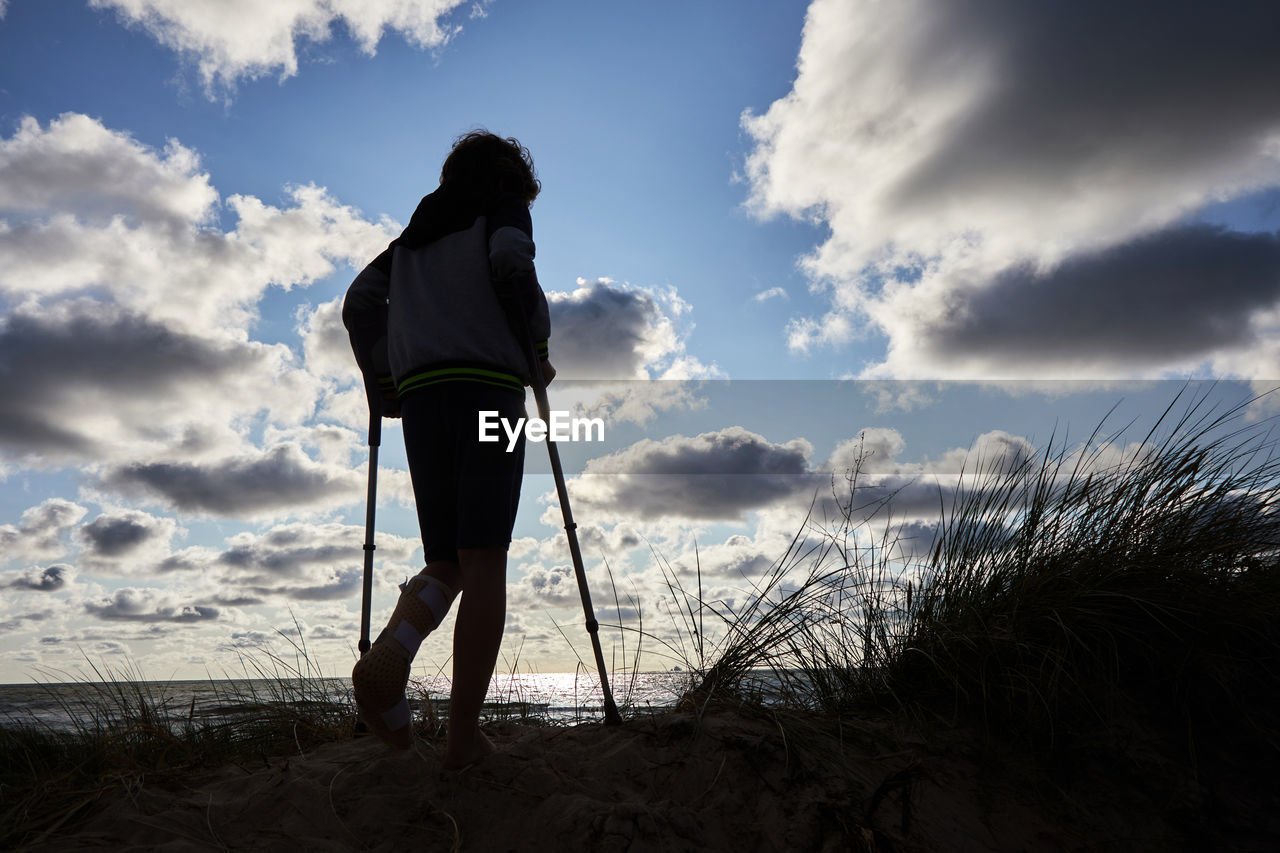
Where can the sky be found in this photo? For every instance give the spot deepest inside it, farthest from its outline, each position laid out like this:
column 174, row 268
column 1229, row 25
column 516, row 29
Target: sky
column 776, row 237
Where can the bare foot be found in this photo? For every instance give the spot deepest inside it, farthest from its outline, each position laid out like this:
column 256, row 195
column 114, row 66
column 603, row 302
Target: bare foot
column 460, row 757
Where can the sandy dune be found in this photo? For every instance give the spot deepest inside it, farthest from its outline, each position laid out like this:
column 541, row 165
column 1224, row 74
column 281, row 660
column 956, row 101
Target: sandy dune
column 725, row 780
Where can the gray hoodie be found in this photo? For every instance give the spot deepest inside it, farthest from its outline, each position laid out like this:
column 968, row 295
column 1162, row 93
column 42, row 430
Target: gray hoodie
column 440, row 304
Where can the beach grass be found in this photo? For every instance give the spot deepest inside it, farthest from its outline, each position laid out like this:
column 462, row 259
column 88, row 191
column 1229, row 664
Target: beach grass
column 125, row 731
column 1105, row 611
column 1066, row 590
column 1067, row 599
column 1062, row 592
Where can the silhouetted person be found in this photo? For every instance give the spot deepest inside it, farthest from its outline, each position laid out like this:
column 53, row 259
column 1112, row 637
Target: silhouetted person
column 433, row 318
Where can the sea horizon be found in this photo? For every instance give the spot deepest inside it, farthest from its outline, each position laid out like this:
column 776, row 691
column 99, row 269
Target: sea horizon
column 556, row 697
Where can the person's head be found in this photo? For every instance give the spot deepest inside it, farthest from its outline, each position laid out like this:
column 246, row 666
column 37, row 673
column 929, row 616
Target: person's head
column 486, row 165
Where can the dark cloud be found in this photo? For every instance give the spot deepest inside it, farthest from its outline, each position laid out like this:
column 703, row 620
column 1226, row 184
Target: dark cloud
column 596, row 539
column 117, row 535
column 281, row 479
column 86, row 355
column 716, row 475
column 250, row 640
column 914, row 540
column 22, row 620
column 889, row 499
column 289, row 561
column 556, row 585
column 606, row 331
column 609, row 615
column 1121, row 88
column 238, row 599
column 972, row 159
column 750, row 565
column 340, row 584
column 310, row 562
column 329, row 632
column 1178, row 294
column 134, row 632
column 148, row 605
column 290, row 550
column 300, row 551
column 181, row 562
column 723, row 475
column 41, row 580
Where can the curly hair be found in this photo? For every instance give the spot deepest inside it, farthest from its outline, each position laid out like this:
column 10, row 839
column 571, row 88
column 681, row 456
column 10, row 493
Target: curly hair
column 485, row 164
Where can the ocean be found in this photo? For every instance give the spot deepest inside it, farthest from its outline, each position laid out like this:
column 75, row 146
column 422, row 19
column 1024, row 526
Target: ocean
column 558, row 697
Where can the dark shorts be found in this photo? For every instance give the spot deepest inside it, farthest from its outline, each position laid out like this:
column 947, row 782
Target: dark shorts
column 467, row 491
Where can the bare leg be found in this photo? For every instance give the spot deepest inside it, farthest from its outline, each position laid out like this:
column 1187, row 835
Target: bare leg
column 477, row 634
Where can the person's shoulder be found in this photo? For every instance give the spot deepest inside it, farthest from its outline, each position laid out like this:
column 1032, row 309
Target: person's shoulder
column 439, row 213
column 509, row 209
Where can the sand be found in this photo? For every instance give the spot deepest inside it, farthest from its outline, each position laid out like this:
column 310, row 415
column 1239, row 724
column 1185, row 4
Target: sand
column 722, row 779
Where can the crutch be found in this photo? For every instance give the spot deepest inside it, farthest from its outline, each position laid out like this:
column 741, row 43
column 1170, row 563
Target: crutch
column 371, row 504
column 611, row 716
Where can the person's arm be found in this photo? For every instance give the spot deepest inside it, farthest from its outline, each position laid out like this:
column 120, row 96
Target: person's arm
column 364, row 313
column 511, row 254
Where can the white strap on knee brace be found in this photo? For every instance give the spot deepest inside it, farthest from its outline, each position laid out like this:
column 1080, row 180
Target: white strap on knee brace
column 408, row 637
column 438, row 598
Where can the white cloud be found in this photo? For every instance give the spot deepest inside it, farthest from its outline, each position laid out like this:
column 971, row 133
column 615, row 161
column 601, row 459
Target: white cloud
column 92, row 210
column 231, row 40
column 325, row 343
column 78, row 164
column 771, row 293
column 41, row 532
column 128, row 355
column 542, row 587
column 133, row 310
column 874, row 450
column 965, row 154
column 637, row 402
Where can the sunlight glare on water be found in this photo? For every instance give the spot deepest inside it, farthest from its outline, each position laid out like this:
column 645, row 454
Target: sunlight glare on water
column 557, row 697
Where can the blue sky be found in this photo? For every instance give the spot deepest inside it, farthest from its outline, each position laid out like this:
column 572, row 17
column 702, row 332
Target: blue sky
column 632, row 116
column 942, row 228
